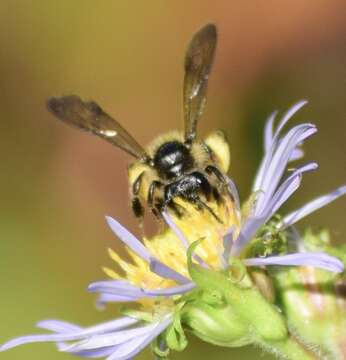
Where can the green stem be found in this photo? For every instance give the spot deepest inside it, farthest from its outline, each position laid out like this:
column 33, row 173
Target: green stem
column 289, row 348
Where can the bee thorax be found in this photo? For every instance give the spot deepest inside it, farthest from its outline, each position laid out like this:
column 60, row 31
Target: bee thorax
column 188, row 187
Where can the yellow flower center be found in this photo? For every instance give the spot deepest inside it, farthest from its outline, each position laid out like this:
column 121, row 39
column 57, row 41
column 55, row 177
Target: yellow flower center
column 169, row 249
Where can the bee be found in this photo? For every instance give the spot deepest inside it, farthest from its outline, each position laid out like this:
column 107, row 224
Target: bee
column 175, row 165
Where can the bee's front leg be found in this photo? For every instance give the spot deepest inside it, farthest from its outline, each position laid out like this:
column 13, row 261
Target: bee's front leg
column 223, row 182
column 211, row 169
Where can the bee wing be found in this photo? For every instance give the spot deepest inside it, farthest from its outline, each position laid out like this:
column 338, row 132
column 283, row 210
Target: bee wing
column 90, row 117
column 198, row 62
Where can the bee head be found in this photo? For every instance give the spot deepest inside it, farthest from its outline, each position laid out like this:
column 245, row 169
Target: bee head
column 172, row 159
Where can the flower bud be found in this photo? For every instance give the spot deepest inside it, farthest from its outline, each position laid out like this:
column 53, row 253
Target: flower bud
column 314, row 300
column 228, row 310
column 218, row 325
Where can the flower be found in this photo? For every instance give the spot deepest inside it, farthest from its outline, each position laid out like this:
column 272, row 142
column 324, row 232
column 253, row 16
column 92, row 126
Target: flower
column 193, row 275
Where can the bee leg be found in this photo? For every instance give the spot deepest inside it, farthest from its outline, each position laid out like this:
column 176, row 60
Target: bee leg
column 205, row 187
column 137, row 207
column 176, row 208
column 211, row 169
column 202, row 205
column 158, row 206
column 216, row 195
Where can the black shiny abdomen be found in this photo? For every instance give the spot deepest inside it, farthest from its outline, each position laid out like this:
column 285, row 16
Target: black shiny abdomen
column 172, row 160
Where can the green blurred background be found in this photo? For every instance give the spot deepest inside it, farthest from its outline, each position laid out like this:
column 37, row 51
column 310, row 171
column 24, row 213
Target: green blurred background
column 57, row 183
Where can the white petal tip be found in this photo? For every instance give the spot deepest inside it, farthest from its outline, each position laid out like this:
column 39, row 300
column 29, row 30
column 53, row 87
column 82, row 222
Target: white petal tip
column 91, row 287
column 3, row 348
column 341, row 190
column 9, row 345
column 109, row 219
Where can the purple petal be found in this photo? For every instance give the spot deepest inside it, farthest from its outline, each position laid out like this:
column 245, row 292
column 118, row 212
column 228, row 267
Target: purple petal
column 112, row 287
column 136, row 246
column 116, row 345
column 33, row 339
column 320, row 260
column 175, row 290
column 276, row 164
column 232, row 188
column 166, row 272
column 227, row 246
column 129, row 349
column 117, row 287
column 128, row 239
column 288, row 115
column 272, row 142
column 268, row 131
column 253, row 224
column 133, row 347
column 248, row 230
column 175, row 229
column 287, row 188
column 99, row 353
column 114, row 325
column 276, row 159
column 58, row 326
column 297, row 154
column 107, row 340
column 110, row 298
column 312, row 206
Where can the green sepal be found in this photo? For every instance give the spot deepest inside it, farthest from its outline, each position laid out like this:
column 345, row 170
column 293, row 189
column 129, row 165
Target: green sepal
column 156, row 347
column 237, row 274
column 212, row 297
column 204, row 278
column 175, row 335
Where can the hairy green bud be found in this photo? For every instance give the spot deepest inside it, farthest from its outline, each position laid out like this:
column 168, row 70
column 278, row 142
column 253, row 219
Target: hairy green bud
column 314, row 300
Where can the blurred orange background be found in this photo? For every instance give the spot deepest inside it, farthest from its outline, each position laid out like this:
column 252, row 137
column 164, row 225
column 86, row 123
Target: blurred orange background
column 57, row 183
